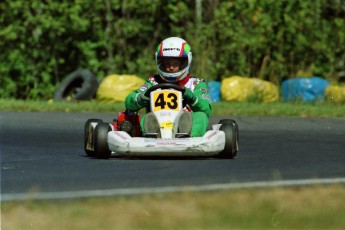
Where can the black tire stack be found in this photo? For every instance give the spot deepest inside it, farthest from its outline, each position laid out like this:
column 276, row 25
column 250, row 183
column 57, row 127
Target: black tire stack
column 78, row 85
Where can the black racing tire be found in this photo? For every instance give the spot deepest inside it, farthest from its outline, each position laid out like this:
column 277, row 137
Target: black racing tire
column 230, row 128
column 86, row 135
column 78, row 85
column 101, row 140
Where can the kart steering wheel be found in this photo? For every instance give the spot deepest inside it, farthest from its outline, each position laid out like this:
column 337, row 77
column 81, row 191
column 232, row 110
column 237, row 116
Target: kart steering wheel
column 163, row 86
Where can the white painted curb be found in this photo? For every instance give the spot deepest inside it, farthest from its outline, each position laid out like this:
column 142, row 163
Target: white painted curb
column 167, row 189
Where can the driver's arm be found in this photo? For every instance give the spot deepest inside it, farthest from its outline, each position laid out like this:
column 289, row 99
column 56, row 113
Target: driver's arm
column 204, row 102
column 131, row 101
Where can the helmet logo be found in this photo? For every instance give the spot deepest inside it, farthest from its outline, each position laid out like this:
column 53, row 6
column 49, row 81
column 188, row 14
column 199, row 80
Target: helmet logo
column 171, row 49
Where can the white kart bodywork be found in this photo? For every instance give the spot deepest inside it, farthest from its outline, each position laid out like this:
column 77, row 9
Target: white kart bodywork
column 167, row 131
column 210, row 144
column 166, row 105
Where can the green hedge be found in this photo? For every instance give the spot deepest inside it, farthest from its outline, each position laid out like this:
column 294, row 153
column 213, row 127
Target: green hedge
column 43, row 41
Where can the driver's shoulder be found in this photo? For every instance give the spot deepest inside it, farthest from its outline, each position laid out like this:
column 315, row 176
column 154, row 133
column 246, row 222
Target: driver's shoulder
column 199, row 79
column 195, row 81
column 155, row 79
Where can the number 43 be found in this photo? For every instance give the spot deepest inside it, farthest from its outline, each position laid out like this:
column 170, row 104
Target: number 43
column 166, row 99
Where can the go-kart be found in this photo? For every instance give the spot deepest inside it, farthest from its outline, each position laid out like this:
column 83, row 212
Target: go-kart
column 123, row 136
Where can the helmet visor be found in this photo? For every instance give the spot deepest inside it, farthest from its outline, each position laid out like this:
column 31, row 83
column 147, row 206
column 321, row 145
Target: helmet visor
column 172, row 64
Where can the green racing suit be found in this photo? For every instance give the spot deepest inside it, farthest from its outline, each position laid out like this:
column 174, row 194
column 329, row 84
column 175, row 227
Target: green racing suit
column 201, row 109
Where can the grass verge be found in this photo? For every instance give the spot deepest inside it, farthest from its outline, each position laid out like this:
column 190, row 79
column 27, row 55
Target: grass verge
column 221, row 108
column 315, row 207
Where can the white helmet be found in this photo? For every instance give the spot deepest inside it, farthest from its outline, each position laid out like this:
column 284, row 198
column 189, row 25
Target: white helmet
column 177, row 48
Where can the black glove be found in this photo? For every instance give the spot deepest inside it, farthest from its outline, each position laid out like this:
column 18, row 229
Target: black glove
column 142, row 100
column 188, row 96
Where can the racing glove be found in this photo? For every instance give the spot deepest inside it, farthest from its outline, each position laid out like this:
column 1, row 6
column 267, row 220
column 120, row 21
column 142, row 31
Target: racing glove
column 189, row 97
column 142, row 100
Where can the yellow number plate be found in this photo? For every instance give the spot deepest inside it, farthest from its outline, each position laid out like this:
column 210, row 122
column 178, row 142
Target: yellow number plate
column 167, row 100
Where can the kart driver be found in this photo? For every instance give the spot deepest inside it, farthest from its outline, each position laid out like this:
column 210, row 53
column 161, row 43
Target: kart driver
column 173, row 62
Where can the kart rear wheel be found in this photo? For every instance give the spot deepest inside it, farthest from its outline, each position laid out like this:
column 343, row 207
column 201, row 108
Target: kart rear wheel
column 101, row 140
column 230, row 128
column 88, row 152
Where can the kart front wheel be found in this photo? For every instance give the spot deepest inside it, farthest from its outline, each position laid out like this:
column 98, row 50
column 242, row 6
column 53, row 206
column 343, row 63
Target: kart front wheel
column 230, row 128
column 88, row 137
column 101, row 140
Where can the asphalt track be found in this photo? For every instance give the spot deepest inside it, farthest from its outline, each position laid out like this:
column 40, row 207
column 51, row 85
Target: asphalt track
column 42, row 153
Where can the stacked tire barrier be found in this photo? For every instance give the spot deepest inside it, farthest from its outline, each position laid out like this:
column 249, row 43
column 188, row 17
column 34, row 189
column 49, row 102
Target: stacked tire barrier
column 214, row 89
column 304, row 89
column 78, row 85
column 240, row 89
column 115, row 88
column 335, row 94
column 82, row 85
